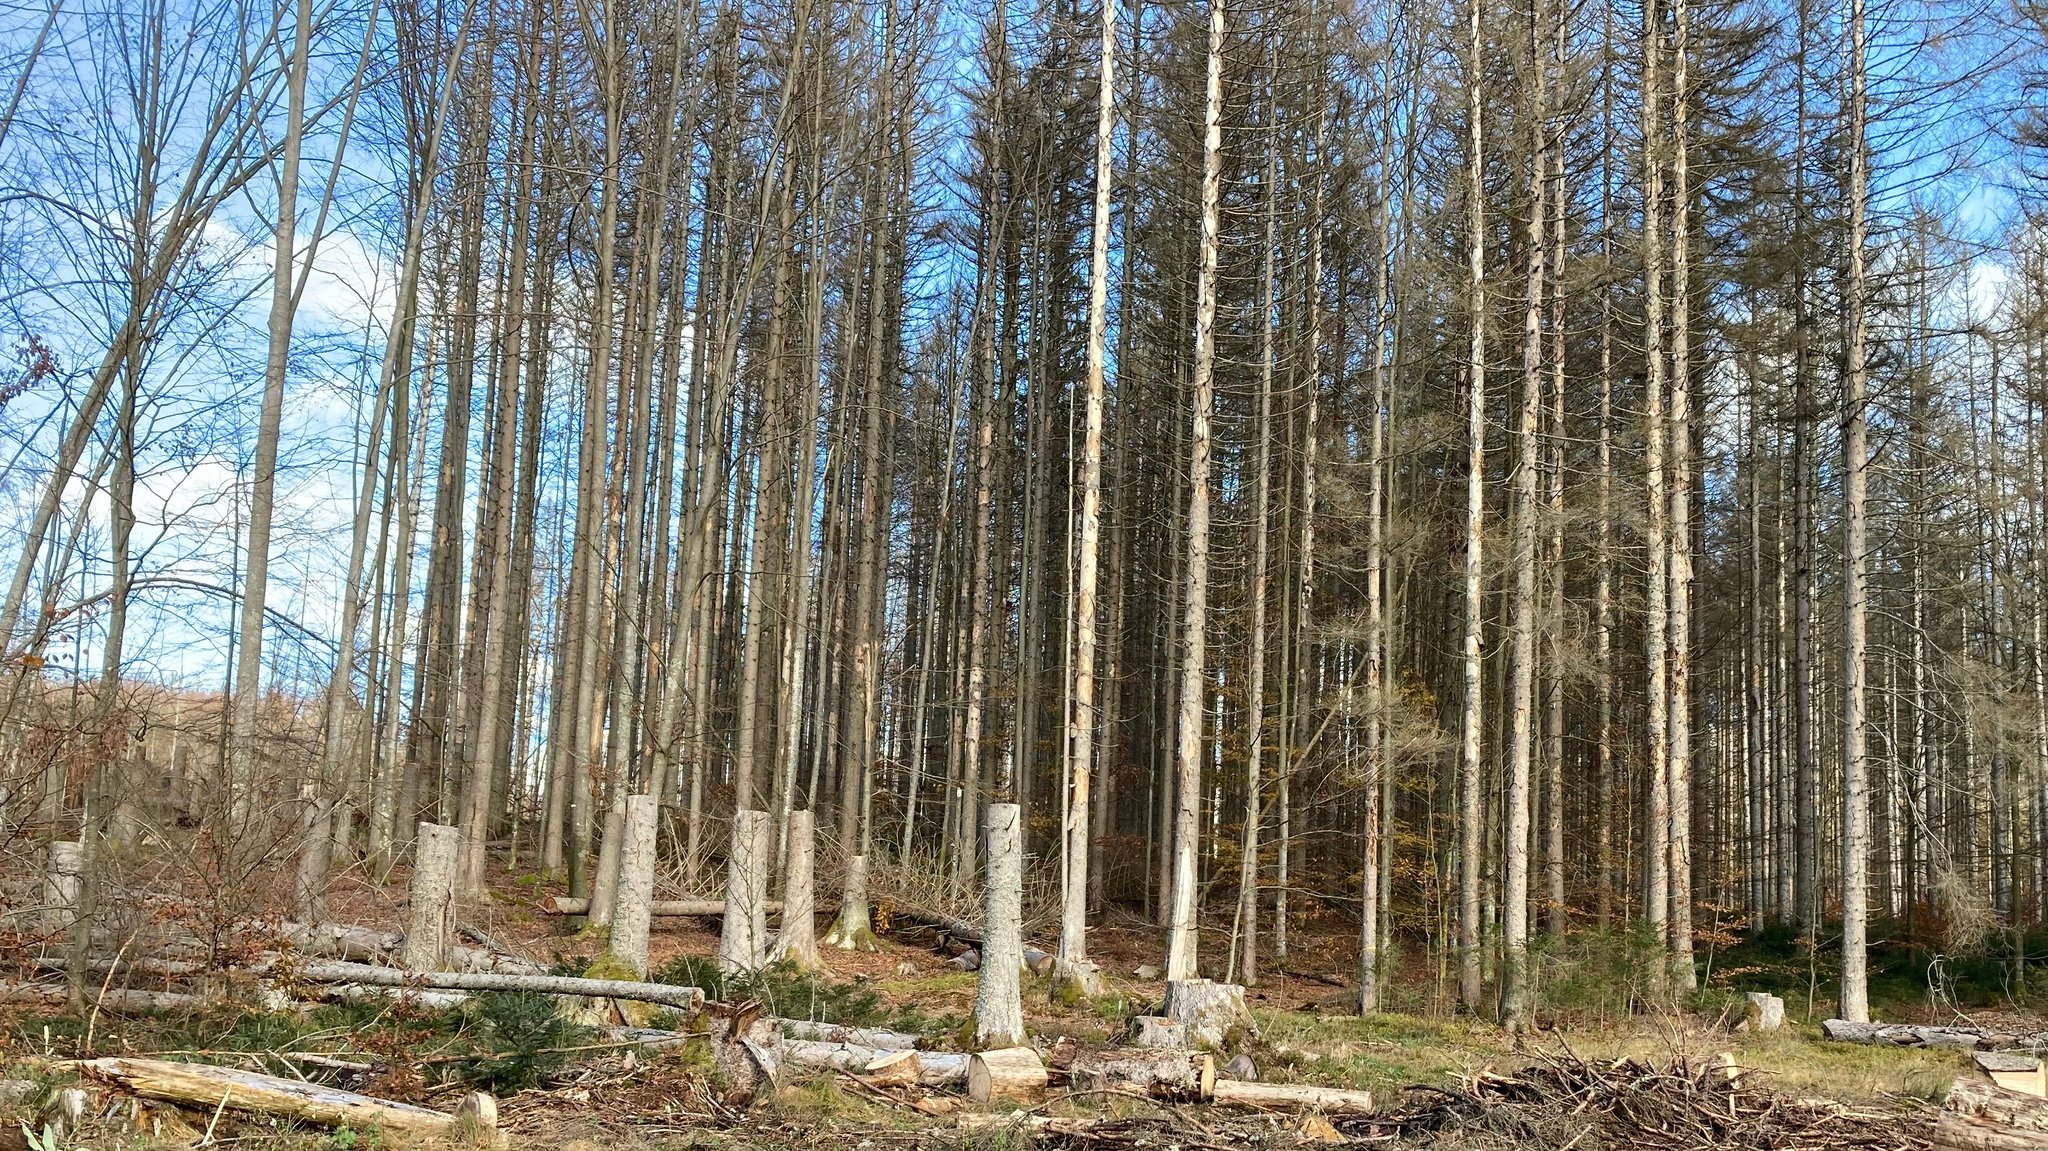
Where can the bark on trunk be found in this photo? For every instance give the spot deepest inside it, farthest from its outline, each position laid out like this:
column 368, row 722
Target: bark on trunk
column 998, row 1001
column 431, row 929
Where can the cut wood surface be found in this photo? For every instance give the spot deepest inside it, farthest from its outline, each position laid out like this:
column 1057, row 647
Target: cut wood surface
column 671, row 995
column 1979, row 1116
column 893, row 1069
column 204, row 1085
column 1014, row 1073
column 1292, row 1096
column 699, row 908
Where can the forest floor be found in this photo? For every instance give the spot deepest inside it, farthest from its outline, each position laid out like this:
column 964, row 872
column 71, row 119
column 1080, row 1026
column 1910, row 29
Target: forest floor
column 1434, row 1070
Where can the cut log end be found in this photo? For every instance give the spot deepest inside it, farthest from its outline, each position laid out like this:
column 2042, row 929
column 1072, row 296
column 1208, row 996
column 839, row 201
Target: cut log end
column 1012, row 1073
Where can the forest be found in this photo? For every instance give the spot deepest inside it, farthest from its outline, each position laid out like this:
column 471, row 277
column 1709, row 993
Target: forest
column 769, row 562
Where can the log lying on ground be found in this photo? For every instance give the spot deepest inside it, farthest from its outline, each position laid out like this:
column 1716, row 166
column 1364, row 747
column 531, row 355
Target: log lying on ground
column 1006, row 1073
column 1914, row 1035
column 934, row 1068
column 1980, row 1116
column 202, row 1085
column 1292, row 1096
column 410, row 996
column 877, row 1037
column 671, row 908
column 958, row 935
column 368, row 945
column 1187, row 1075
column 112, row 999
column 669, row 995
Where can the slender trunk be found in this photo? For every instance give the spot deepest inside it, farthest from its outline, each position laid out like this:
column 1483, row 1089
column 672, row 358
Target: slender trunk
column 1182, row 925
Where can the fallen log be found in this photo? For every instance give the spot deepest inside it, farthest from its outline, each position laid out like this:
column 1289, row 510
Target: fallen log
column 1185, row 1075
column 368, row 945
column 1980, row 1116
column 112, row 999
column 410, row 996
column 877, row 1037
column 699, row 908
column 1006, row 1073
column 669, row 995
column 1292, row 1096
column 1915, row 1035
column 204, row 1085
column 935, row 1068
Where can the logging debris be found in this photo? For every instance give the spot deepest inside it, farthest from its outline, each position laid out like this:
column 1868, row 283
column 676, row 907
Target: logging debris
column 1688, row 1103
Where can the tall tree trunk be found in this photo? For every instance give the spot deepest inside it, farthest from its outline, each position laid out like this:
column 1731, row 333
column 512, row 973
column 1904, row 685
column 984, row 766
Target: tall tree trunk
column 1187, row 767
column 1855, row 995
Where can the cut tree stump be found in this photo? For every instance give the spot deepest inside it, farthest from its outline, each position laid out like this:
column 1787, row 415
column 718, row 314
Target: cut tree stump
column 1979, row 1116
column 631, row 915
column 797, row 942
column 998, row 994
column 1209, row 1010
column 1292, row 1096
column 1162, row 1074
column 203, row 1085
column 667, row 994
column 1766, row 1011
column 741, row 947
column 1158, row 1031
column 1006, row 1073
column 431, row 931
column 63, row 877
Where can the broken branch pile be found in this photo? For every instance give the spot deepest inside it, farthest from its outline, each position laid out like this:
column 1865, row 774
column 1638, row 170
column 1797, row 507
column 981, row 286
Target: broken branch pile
column 1631, row 1103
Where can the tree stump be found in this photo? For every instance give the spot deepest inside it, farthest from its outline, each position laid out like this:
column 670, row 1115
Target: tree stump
column 431, row 930
column 740, row 946
column 854, row 929
column 1209, row 1010
column 63, row 877
column 1072, row 982
column 798, row 940
column 1009, row 1072
column 1766, row 1011
column 1157, row 1031
column 998, row 996
column 633, row 897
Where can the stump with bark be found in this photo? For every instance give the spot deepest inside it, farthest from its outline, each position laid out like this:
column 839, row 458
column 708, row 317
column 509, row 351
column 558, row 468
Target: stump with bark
column 63, row 877
column 798, row 941
column 740, row 945
column 854, row 929
column 998, row 995
column 632, row 897
column 1210, row 1011
column 430, row 931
